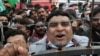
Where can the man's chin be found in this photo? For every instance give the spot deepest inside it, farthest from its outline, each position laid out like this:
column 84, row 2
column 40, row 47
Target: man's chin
column 60, row 44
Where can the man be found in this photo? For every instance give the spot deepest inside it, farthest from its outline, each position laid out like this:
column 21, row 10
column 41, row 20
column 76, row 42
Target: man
column 4, row 21
column 39, row 31
column 33, row 15
column 95, row 22
column 59, row 34
column 62, row 6
column 22, row 13
column 96, row 25
column 25, row 25
column 3, row 18
column 16, row 41
column 15, row 35
column 42, row 14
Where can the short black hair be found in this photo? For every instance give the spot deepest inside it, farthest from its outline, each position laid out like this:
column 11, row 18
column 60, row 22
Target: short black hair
column 37, row 6
column 40, row 8
column 27, row 23
column 95, row 11
column 2, row 14
column 30, row 13
column 13, row 32
column 57, row 13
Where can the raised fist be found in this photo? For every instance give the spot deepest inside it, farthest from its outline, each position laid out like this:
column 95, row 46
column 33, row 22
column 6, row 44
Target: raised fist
column 17, row 48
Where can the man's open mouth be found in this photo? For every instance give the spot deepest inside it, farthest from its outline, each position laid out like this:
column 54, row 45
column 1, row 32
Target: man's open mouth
column 60, row 36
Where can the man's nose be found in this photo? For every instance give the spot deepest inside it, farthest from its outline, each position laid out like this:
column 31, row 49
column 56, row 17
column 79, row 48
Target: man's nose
column 59, row 27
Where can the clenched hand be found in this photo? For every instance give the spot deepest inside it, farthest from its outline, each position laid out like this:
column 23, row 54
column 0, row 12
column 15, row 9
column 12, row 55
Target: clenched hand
column 17, row 48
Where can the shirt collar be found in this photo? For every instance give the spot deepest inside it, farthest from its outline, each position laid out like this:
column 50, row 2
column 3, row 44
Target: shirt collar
column 53, row 46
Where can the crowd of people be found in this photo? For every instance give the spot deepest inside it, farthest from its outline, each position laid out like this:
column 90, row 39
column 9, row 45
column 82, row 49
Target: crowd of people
column 39, row 28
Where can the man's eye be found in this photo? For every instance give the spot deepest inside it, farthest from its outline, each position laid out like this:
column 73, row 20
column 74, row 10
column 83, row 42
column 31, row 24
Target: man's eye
column 53, row 24
column 64, row 24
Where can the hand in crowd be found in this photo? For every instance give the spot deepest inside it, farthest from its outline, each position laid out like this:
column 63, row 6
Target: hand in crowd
column 14, row 49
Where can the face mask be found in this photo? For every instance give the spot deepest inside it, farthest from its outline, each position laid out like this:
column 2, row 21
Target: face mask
column 5, row 23
column 5, row 28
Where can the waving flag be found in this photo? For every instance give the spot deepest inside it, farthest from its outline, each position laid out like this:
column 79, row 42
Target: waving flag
column 2, row 7
column 12, row 2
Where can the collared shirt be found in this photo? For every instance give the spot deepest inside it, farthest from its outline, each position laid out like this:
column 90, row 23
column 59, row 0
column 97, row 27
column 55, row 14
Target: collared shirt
column 41, row 44
column 71, row 43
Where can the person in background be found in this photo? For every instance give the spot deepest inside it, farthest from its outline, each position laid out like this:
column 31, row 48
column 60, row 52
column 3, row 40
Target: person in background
column 42, row 14
column 80, row 7
column 3, row 21
column 62, row 6
column 39, row 31
column 94, row 31
column 24, row 25
column 86, row 20
column 77, row 30
column 22, row 13
column 33, row 15
column 53, row 8
column 75, row 22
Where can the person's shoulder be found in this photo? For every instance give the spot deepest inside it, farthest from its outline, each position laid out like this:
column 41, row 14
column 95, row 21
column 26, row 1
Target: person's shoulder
column 38, row 46
column 80, row 37
column 43, row 40
column 82, row 40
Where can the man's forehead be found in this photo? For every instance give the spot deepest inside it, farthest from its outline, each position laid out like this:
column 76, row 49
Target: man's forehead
column 15, row 38
column 3, row 17
column 41, row 9
column 59, row 18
